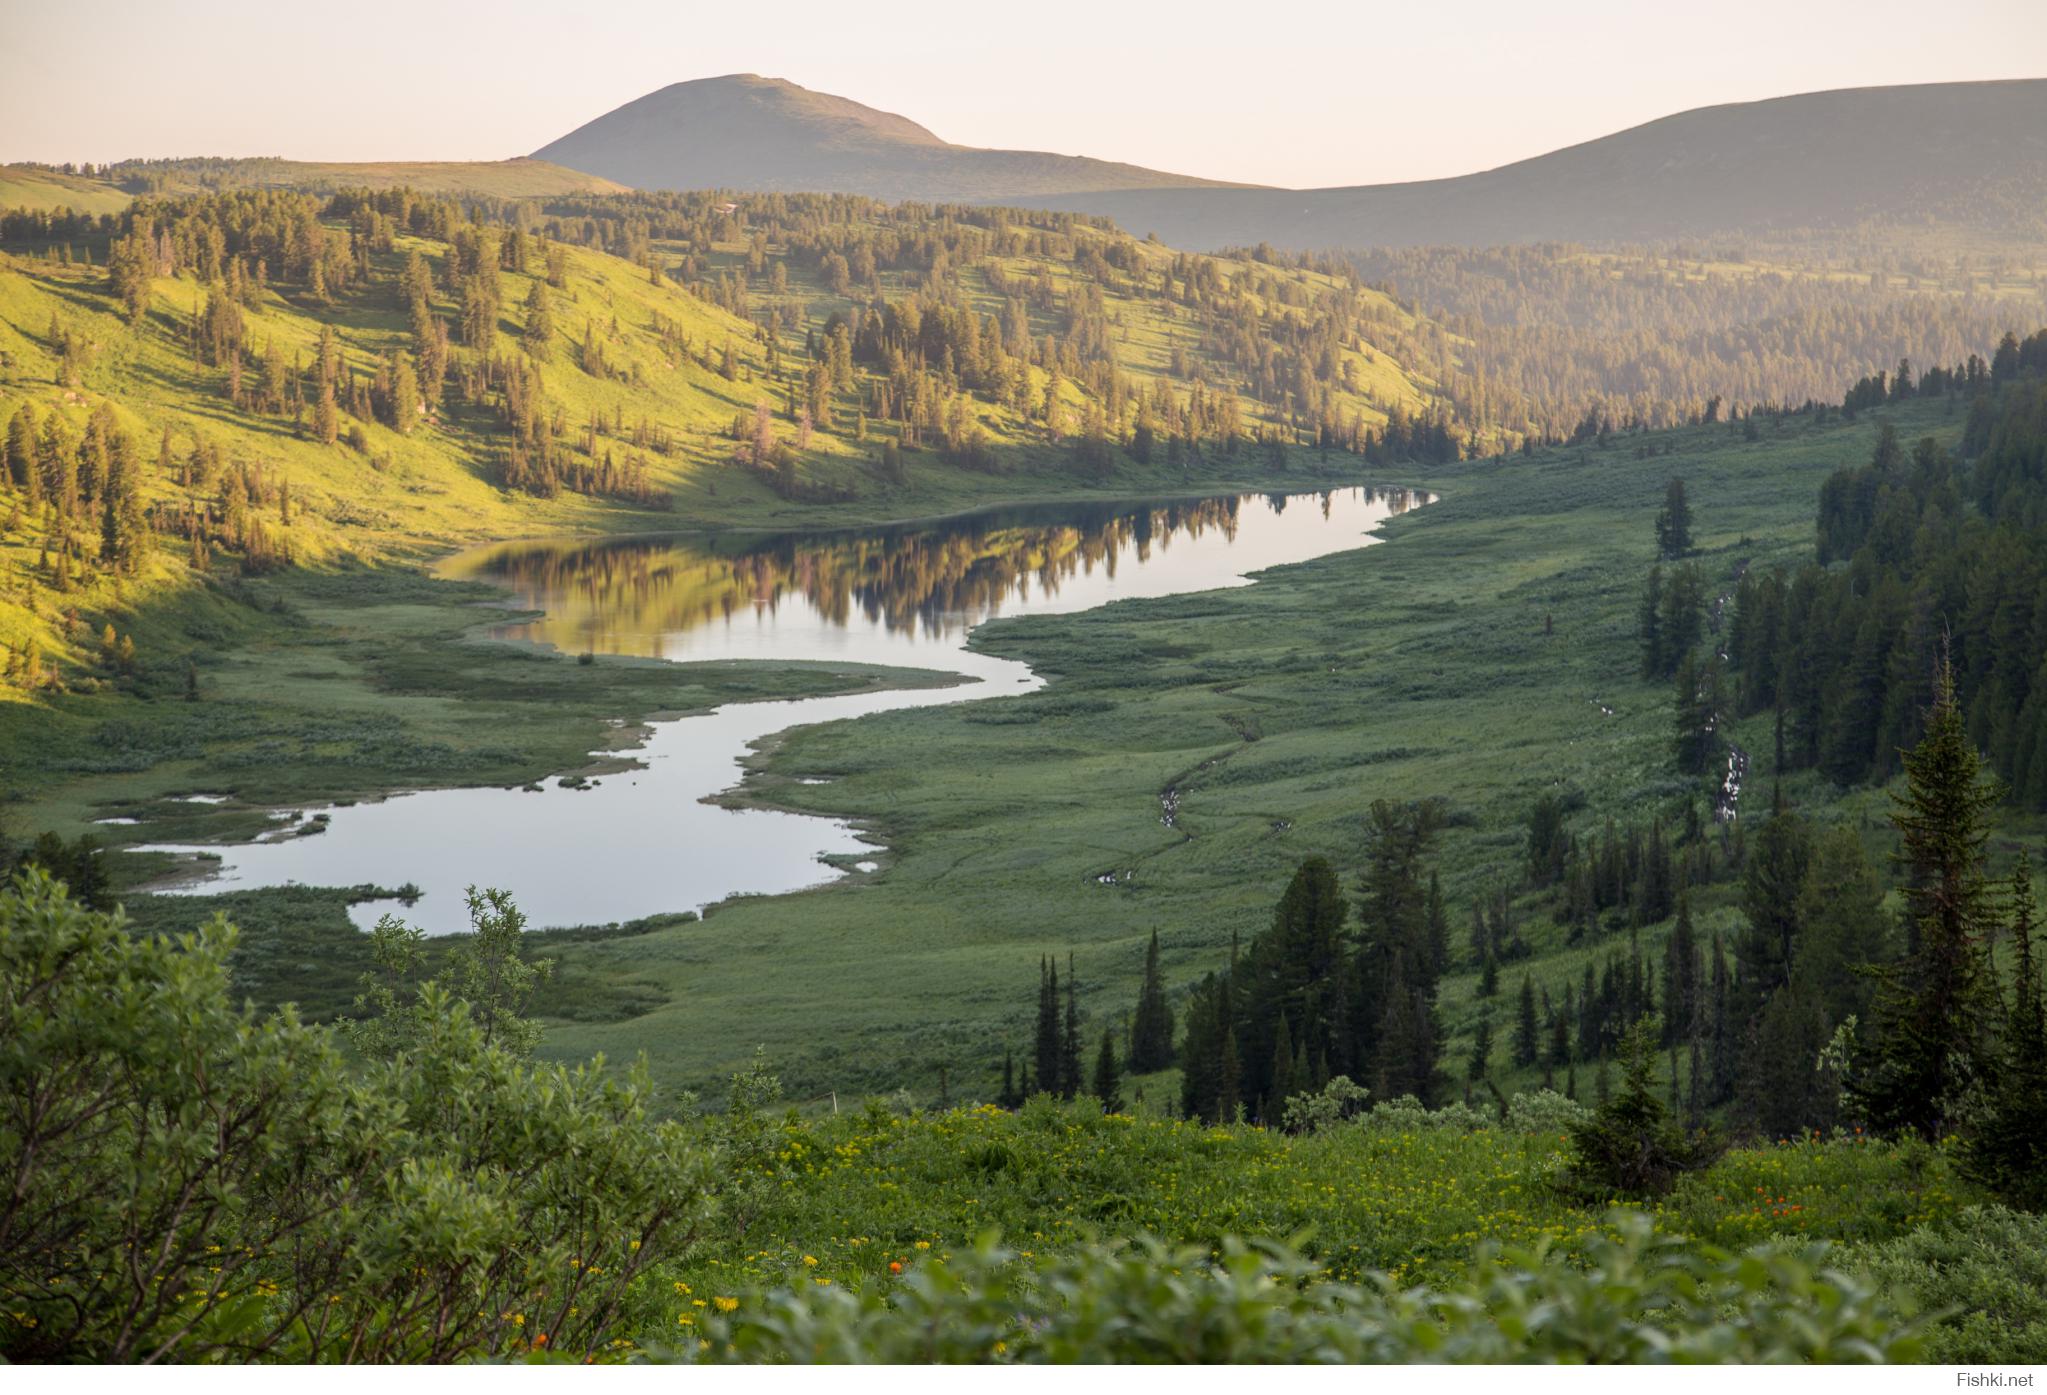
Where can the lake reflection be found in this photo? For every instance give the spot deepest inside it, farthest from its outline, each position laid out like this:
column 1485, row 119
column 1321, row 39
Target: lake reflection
column 643, row 841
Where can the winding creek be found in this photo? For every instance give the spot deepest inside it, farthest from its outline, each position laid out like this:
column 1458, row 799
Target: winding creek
column 651, row 838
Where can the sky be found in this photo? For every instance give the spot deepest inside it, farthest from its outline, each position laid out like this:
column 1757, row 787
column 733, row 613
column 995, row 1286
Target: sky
column 1280, row 92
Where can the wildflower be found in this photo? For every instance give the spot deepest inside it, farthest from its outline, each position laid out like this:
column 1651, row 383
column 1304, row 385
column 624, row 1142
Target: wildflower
column 895, row 1266
column 725, row 1305
column 810, row 1261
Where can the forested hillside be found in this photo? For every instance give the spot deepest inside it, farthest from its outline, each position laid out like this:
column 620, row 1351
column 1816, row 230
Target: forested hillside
column 1566, row 337
column 217, row 385
column 1935, row 549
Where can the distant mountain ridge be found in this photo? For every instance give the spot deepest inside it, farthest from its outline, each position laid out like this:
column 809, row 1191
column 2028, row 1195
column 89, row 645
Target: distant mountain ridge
column 1967, row 156
column 1970, row 156
column 769, row 135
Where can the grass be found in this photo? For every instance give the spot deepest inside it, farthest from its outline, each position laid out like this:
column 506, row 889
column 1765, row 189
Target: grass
column 1419, row 668
column 45, row 191
column 866, row 1199
column 23, row 186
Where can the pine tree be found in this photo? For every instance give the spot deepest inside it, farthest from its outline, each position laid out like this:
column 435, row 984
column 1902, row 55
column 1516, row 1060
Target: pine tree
column 1655, row 653
column 1229, row 1080
column 2007, row 1150
column 1284, row 1085
column 1674, row 522
column 1108, row 1081
column 538, row 335
column 1151, row 1026
column 1527, row 1030
column 1069, row 1038
column 404, row 397
column 1479, row 1065
column 1046, row 1041
column 1933, row 1020
column 1630, row 1147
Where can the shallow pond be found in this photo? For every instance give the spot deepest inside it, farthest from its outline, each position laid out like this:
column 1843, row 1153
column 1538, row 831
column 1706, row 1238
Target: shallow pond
column 646, row 840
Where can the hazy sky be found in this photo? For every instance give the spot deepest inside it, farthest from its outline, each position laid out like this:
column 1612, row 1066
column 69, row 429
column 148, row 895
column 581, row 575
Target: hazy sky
column 1278, row 92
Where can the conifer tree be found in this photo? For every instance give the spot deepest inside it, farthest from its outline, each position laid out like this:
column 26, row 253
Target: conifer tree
column 1527, row 1029
column 2007, row 1149
column 1046, row 1044
column 1069, row 1038
column 1151, row 1027
column 1674, row 522
column 1933, row 1010
column 1479, row 1066
column 1107, row 1084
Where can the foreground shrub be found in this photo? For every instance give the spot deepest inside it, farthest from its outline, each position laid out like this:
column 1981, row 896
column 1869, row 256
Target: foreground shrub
column 1642, row 1298
column 1984, row 1271
column 191, row 1181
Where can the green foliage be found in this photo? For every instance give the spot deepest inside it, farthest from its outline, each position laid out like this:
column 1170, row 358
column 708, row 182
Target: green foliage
column 193, row 1181
column 2007, row 1142
column 1640, row 1299
column 1311, row 1111
column 1630, row 1146
column 1931, row 1046
column 1983, row 1270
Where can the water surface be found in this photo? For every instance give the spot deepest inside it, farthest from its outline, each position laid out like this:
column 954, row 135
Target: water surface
column 644, row 841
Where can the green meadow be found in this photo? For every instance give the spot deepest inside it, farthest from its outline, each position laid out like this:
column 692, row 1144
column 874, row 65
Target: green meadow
column 1484, row 653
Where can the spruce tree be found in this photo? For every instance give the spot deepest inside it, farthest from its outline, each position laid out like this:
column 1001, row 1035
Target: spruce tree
column 2007, row 1150
column 1069, row 1038
column 1479, row 1065
column 1151, row 1027
column 1107, row 1085
column 1674, row 522
column 1527, row 1030
column 1933, row 1012
column 1045, row 1042
column 1630, row 1147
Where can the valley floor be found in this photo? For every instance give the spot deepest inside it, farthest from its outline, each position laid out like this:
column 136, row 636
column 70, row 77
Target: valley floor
column 1486, row 654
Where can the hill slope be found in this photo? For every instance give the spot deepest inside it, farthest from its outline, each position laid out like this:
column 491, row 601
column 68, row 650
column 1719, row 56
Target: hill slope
column 112, row 187
column 637, row 407
column 1970, row 156
column 765, row 134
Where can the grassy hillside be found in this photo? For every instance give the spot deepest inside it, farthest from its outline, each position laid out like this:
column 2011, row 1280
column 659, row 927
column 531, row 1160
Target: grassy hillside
column 111, row 188
column 638, row 369
column 44, row 190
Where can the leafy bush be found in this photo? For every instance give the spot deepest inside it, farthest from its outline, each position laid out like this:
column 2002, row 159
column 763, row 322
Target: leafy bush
column 1642, row 1299
column 1545, row 1112
column 1408, row 1114
column 190, row 1180
column 1311, row 1111
column 1982, row 1273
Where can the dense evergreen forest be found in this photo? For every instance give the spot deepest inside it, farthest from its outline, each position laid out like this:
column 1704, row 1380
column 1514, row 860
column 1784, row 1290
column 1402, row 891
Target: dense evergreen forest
column 1562, row 335
column 1918, row 550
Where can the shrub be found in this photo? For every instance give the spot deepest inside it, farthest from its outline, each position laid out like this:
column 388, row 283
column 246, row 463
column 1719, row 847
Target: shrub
column 1311, row 1111
column 1641, row 1299
column 190, row 1180
column 1981, row 1274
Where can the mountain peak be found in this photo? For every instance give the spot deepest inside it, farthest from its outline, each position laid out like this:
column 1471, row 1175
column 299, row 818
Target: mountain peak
column 747, row 131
